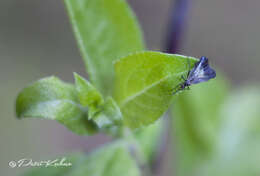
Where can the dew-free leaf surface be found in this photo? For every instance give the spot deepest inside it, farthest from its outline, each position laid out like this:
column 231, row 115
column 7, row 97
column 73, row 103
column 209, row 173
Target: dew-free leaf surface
column 105, row 113
column 145, row 83
column 54, row 99
column 105, row 30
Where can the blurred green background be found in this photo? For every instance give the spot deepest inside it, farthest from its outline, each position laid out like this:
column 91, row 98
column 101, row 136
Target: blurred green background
column 36, row 41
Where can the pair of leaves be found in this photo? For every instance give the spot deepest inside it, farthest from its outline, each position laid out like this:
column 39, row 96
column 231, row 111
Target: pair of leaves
column 112, row 160
column 107, row 30
column 54, row 99
column 144, row 85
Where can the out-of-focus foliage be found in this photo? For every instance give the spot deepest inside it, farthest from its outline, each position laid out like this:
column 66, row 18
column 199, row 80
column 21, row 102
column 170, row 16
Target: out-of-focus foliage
column 196, row 123
column 112, row 160
column 74, row 159
column 149, row 138
column 238, row 143
column 217, row 133
column 105, row 31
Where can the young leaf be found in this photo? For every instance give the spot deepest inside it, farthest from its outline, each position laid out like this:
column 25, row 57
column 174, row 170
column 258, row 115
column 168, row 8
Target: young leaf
column 105, row 30
column 87, row 94
column 109, row 114
column 105, row 114
column 53, row 99
column 145, row 83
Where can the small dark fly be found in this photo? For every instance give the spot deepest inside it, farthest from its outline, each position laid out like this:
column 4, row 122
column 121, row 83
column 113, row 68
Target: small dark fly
column 201, row 72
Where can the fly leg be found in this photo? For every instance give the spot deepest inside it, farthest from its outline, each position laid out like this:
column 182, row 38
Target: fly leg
column 188, row 68
column 176, row 89
column 182, row 77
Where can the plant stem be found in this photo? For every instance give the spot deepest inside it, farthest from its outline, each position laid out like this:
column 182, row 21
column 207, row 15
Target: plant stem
column 176, row 25
column 137, row 153
column 162, row 148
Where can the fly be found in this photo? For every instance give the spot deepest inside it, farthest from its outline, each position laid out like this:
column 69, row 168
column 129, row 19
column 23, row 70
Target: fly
column 201, row 72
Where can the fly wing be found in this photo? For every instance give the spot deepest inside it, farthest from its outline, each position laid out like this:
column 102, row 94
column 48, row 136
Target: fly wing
column 201, row 72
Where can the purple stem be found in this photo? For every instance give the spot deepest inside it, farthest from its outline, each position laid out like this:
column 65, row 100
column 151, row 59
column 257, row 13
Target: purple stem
column 177, row 24
column 176, row 27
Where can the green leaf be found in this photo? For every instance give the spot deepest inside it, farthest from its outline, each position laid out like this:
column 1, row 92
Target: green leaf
column 145, row 83
column 105, row 114
column 105, row 31
column 196, row 123
column 51, row 98
column 109, row 114
column 87, row 94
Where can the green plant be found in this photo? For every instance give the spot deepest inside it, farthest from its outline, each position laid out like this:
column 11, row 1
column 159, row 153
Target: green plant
column 129, row 90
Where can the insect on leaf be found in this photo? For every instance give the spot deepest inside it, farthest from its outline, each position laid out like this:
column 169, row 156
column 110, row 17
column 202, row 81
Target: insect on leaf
column 144, row 84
